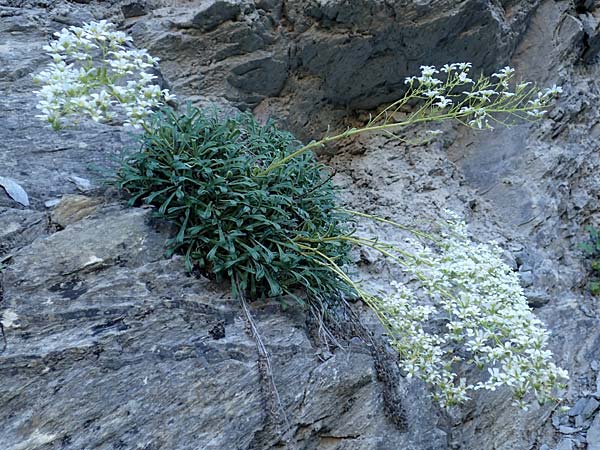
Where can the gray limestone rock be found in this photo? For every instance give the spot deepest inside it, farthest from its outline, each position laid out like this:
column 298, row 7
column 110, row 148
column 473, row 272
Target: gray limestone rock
column 593, row 434
column 213, row 13
column 336, row 53
column 19, row 228
column 578, row 407
column 134, row 9
column 97, row 320
column 564, row 444
column 72, row 208
column 109, row 345
column 112, row 346
column 264, row 76
column 590, row 408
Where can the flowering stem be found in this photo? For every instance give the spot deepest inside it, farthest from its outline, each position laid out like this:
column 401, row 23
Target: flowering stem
column 390, row 222
column 452, row 114
column 351, row 132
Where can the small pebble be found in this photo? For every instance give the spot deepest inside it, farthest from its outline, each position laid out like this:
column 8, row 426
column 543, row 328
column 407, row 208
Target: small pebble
column 580, row 441
column 555, row 421
column 83, row 184
column 565, row 444
column 580, row 422
column 567, row 430
column 52, row 203
column 590, row 408
column 593, row 434
column 578, row 407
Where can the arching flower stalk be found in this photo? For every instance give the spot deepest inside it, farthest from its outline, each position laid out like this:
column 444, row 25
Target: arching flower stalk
column 452, row 96
column 473, row 293
column 488, row 323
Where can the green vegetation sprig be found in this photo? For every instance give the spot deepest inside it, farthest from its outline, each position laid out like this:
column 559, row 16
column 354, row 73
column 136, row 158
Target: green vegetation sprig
column 202, row 173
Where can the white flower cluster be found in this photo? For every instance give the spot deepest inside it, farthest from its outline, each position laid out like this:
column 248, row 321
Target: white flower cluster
column 487, row 320
column 93, row 70
column 476, row 103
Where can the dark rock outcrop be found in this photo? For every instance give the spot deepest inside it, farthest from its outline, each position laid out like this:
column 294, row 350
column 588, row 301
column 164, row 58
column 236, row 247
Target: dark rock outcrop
column 319, row 54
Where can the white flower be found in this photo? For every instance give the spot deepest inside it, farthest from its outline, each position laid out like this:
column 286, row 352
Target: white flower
column 553, row 91
column 428, row 81
column 482, row 95
column 447, row 68
column 92, row 72
column 122, row 65
column 504, row 74
column 536, row 113
column 428, row 71
column 431, row 93
column 442, row 102
column 463, row 78
column 167, row 96
column 486, row 315
column 146, row 78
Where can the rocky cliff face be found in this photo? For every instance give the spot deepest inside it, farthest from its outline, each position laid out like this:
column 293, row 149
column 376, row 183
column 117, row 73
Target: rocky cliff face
column 304, row 60
column 109, row 345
